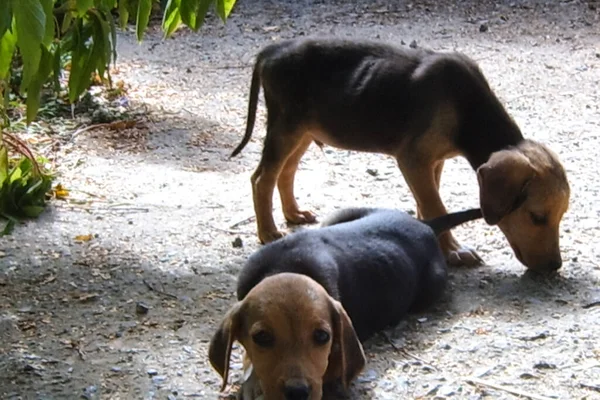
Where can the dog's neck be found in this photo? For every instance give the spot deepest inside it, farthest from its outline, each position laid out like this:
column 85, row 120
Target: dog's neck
column 486, row 128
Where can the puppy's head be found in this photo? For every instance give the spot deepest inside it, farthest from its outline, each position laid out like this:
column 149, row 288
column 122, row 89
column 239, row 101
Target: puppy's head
column 524, row 190
column 296, row 336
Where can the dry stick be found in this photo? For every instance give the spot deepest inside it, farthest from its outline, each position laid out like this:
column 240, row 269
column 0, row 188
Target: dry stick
column 88, row 128
column 592, row 304
column 477, row 381
column 243, row 222
column 153, row 289
column 216, row 228
column 405, row 352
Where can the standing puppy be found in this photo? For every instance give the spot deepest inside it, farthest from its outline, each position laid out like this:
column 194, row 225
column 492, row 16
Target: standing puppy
column 421, row 107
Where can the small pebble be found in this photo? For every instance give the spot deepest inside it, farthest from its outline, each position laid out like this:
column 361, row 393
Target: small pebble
column 372, row 172
column 368, row 376
column 151, row 372
column 159, row 379
column 544, row 365
column 413, row 44
column 116, row 369
column 237, row 242
column 141, row 308
column 483, row 28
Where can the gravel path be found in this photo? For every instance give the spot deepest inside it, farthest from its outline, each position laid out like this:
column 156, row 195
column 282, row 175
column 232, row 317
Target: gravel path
column 128, row 314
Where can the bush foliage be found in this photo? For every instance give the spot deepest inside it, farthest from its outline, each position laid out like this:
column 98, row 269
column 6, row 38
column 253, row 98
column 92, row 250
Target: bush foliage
column 40, row 40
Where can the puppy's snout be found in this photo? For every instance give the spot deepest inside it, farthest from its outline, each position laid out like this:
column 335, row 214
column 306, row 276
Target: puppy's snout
column 554, row 265
column 296, row 391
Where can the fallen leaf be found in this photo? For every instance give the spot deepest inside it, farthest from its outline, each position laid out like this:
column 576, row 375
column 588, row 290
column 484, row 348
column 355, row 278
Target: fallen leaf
column 84, row 238
column 88, row 297
column 60, row 192
column 273, row 28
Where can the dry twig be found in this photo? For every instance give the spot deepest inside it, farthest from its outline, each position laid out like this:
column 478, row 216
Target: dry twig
column 517, row 392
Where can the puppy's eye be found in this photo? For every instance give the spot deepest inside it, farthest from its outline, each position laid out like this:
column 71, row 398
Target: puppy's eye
column 263, row 339
column 321, row 336
column 538, row 219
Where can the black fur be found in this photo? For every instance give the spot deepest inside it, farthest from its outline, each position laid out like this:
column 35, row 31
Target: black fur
column 380, row 263
column 357, row 89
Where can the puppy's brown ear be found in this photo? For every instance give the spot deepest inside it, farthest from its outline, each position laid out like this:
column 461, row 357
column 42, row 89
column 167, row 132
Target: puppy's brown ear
column 347, row 358
column 219, row 350
column 502, row 182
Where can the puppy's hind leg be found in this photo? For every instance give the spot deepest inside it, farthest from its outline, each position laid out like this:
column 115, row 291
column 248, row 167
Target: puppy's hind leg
column 285, row 184
column 280, row 143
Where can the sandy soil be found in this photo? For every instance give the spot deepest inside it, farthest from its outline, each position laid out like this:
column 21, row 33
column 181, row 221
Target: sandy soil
column 164, row 204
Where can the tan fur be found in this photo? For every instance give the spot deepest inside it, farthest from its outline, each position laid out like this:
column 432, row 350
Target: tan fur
column 289, row 307
column 534, row 172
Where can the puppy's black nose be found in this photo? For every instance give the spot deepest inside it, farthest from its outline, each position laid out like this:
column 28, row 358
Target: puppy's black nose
column 296, row 391
column 554, row 265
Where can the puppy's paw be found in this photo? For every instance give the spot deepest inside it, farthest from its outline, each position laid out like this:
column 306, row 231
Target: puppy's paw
column 298, row 217
column 271, row 236
column 463, row 257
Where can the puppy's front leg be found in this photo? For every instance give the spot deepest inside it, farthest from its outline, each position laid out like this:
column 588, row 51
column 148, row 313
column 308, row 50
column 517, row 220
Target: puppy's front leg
column 423, row 180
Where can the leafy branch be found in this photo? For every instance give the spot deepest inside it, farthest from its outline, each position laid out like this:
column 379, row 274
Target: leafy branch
column 49, row 38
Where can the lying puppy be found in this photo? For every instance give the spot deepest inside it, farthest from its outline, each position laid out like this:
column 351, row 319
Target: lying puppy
column 420, row 107
column 296, row 337
column 379, row 263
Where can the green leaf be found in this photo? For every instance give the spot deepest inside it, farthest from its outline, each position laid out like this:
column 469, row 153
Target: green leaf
column 101, row 51
column 202, row 10
column 57, row 67
column 123, row 13
column 15, row 174
column 143, row 16
column 8, row 43
column 79, row 56
column 49, row 25
column 3, row 165
column 224, row 8
column 113, row 36
column 106, row 5
column 187, row 10
column 67, row 22
column 5, row 16
column 35, row 87
column 83, row 6
column 30, row 23
column 32, row 211
column 8, row 228
column 172, row 17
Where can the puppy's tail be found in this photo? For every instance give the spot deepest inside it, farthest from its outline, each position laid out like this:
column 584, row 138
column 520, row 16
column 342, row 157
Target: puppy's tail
column 347, row 215
column 446, row 222
column 252, row 105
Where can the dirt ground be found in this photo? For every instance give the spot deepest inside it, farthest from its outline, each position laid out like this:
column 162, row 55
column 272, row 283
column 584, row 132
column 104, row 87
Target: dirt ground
column 164, row 204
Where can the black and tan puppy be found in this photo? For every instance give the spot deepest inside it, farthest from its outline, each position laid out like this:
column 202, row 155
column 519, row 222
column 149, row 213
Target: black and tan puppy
column 379, row 263
column 421, row 107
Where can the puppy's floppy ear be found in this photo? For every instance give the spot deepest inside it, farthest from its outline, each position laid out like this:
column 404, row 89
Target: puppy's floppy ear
column 219, row 350
column 502, row 182
column 347, row 358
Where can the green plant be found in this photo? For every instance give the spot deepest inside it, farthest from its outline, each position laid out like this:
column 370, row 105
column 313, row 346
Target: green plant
column 24, row 186
column 46, row 32
column 39, row 41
